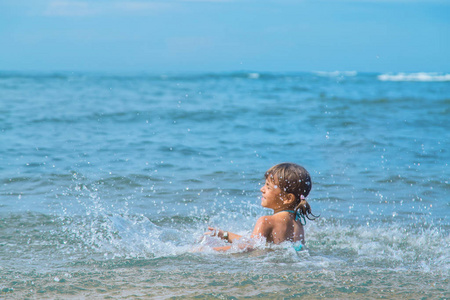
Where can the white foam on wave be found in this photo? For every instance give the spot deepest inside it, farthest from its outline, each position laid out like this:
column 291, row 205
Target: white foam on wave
column 421, row 76
column 112, row 232
column 253, row 75
column 392, row 246
column 328, row 244
column 336, row 73
column 140, row 237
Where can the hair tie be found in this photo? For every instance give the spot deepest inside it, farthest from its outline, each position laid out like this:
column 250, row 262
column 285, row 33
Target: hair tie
column 302, row 197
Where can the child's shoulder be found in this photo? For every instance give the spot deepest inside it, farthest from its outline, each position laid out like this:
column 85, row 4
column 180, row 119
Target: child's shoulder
column 270, row 222
column 267, row 220
column 264, row 227
column 275, row 220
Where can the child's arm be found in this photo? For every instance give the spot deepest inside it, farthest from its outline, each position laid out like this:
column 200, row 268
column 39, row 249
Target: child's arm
column 263, row 228
column 222, row 249
column 224, row 235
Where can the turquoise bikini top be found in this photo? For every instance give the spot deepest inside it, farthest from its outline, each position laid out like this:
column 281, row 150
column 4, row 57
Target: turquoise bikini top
column 298, row 245
column 298, row 216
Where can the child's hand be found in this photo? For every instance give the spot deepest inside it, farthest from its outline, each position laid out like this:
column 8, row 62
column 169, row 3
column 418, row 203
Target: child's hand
column 224, row 235
column 215, row 232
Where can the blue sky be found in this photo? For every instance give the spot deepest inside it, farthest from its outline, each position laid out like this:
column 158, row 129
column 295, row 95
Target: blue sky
column 215, row 35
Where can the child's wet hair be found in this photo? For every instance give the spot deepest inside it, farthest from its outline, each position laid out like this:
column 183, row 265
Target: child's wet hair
column 293, row 179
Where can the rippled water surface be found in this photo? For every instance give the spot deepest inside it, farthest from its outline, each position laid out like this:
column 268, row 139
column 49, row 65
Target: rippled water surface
column 107, row 183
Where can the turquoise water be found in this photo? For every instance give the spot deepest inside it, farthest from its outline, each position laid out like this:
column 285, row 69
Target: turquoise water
column 108, row 181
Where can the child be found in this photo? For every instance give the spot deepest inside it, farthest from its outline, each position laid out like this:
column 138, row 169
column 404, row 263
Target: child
column 285, row 191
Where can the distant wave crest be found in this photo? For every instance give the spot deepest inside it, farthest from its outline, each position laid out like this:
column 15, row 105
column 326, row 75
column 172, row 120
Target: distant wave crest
column 422, row 76
column 336, row 73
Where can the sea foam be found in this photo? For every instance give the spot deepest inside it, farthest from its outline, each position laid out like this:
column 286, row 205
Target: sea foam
column 336, row 73
column 421, row 76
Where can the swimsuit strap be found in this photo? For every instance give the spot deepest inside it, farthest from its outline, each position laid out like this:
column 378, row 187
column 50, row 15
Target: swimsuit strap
column 297, row 246
column 298, row 216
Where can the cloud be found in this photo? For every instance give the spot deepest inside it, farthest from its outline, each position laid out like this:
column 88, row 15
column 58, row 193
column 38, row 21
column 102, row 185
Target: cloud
column 188, row 44
column 84, row 8
column 142, row 6
column 212, row 1
column 69, row 8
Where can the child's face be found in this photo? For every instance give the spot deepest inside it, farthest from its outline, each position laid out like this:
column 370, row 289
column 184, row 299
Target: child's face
column 272, row 196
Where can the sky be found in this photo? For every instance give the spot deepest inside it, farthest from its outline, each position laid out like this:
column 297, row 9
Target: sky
column 225, row 35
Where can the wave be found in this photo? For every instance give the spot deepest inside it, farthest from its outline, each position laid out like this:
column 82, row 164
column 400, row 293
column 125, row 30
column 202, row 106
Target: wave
column 421, row 76
column 122, row 78
column 336, row 73
column 187, row 76
column 75, row 254
column 105, row 236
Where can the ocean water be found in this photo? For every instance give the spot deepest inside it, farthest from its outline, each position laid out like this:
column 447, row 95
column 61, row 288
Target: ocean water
column 108, row 182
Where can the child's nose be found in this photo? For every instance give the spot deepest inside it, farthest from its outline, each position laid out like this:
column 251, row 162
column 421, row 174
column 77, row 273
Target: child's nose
column 262, row 189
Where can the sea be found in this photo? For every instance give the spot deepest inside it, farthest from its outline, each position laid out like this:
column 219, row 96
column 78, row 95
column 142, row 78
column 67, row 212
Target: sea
column 108, row 182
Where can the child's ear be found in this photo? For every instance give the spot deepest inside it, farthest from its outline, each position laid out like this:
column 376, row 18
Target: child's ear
column 290, row 198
